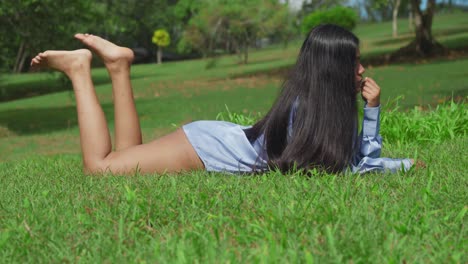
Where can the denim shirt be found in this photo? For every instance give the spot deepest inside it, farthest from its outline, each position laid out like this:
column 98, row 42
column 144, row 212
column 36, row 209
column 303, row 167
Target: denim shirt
column 369, row 146
column 224, row 147
column 367, row 157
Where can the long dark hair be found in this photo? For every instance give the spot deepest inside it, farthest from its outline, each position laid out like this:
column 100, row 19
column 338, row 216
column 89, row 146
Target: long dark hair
column 323, row 87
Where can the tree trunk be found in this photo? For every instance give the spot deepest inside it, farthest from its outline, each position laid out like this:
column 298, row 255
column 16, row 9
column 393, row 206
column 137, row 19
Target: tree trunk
column 423, row 22
column 246, row 53
column 423, row 45
column 159, row 55
column 214, row 37
column 20, row 57
column 396, row 6
column 410, row 18
column 246, row 44
column 21, row 62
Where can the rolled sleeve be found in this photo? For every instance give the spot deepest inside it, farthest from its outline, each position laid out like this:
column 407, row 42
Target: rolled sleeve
column 371, row 122
column 370, row 144
column 368, row 164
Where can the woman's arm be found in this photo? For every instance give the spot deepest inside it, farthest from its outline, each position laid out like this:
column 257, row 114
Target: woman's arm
column 367, row 156
column 370, row 141
column 369, row 147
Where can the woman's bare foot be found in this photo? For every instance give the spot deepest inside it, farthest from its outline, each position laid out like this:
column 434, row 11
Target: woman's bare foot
column 68, row 62
column 113, row 56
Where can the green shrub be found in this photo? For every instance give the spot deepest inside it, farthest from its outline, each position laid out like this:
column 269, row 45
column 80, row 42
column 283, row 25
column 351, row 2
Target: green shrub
column 444, row 122
column 238, row 118
column 341, row 16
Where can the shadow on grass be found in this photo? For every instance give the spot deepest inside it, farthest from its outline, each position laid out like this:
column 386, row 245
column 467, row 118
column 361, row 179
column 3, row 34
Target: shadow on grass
column 448, row 32
column 436, row 33
column 458, row 95
column 53, row 84
column 13, row 91
column 398, row 40
column 278, row 72
column 43, row 120
column 458, row 43
column 239, row 62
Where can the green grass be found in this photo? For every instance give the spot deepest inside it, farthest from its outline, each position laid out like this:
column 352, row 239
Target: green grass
column 51, row 212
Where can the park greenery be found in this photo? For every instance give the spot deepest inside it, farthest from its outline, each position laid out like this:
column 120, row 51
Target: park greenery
column 342, row 16
column 162, row 39
column 204, row 28
column 50, row 211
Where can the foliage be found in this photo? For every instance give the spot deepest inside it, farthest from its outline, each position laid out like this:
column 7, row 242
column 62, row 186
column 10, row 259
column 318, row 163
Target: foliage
column 238, row 118
column 342, row 16
column 235, row 25
column 445, row 122
column 381, row 10
column 28, row 27
column 31, row 26
column 161, row 38
column 131, row 23
column 308, row 7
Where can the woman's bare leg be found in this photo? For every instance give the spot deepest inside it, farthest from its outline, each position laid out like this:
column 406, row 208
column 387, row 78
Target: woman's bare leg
column 118, row 60
column 171, row 153
column 94, row 133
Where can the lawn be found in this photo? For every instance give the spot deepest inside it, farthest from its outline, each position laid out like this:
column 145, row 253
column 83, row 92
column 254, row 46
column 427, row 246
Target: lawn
column 51, row 212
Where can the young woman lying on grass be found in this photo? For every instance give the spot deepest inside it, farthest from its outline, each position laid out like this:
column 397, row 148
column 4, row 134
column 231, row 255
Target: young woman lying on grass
column 312, row 124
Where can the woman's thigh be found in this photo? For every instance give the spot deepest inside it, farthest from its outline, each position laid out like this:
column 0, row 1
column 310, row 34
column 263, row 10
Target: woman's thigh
column 170, row 153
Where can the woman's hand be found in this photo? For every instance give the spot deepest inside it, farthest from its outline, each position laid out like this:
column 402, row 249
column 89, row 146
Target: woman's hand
column 370, row 92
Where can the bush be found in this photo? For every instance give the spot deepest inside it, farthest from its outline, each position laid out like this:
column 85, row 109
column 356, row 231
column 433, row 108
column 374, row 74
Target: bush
column 444, row 122
column 238, row 118
column 341, row 16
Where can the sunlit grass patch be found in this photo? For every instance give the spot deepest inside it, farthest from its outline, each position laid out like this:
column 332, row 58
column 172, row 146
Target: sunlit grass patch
column 50, row 211
column 434, row 125
column 417, row 126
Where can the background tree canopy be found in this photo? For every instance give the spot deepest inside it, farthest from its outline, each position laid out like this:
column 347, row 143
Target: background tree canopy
column 31, row 26
column 235, row 25
column 196, row 27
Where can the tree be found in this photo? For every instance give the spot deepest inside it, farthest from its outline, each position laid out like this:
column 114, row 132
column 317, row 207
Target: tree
column 132, row 22
column 162, row 39
column 30, row 26
column 395, row 7
column 424, row 45
column 235, row 25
